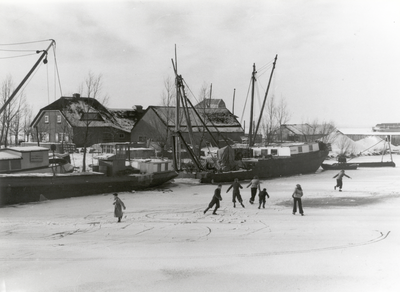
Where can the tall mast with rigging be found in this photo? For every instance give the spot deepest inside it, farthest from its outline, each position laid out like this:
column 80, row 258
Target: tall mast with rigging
column 42, row 56
column 265, row 98
column 253, row 80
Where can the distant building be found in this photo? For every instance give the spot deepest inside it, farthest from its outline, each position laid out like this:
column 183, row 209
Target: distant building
column 68, row 118
column 158, row 124
column 302, row 132
column 211, row 103
column 387, row 127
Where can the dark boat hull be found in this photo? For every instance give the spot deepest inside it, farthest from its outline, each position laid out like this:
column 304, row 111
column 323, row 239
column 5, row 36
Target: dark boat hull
column 339, row 166
column 272, row 167
column 16, row 189
column 377, row 164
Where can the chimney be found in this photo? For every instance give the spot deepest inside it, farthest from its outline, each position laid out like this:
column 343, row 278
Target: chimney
column 76, row 95
column 138, row 108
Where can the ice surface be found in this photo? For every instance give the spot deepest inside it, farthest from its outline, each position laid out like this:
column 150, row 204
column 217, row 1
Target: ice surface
column 348, row 241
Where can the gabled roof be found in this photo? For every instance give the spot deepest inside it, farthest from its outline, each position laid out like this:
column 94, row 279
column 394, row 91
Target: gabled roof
column 74, row 107
column 219, row 117
column 306, row 129
column 211, row 103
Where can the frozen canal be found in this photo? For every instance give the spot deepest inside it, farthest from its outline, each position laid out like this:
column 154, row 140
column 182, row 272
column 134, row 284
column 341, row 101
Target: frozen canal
column 348, row 241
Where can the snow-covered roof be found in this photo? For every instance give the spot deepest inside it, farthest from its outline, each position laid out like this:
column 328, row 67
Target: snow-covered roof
column 27, row 148
column 9, row 156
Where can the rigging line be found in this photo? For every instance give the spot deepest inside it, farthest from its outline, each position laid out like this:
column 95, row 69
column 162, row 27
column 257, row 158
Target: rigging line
column 56, row 66
column 24, row 43
column 187, row 86
column 2, row 50
column 369, row 148
column 245, row 103
column 30, row 79
column 263, row 67
column 19, row 56
column 48, row 86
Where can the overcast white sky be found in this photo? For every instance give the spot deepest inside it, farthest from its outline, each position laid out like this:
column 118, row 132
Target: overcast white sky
column 338, row 60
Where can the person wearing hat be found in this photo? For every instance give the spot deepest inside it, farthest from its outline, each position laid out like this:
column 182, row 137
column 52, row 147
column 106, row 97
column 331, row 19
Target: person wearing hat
column 297, row 195
column 118, row 207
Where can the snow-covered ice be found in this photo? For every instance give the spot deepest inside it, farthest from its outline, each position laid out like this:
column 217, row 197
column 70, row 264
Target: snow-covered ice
column 347, row 241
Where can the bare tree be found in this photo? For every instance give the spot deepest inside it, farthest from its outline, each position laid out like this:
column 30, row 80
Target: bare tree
column 168, row 97
column 10, row 111
column 26, row 123
column 282, row 116
column 91, row 88
column 21, row 108
column 345, row 145
column 270, row 121
column 317, row 130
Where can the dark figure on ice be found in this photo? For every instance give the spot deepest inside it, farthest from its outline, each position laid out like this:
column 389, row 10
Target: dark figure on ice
column 262, row 196
column 118, row 207
column 339, row 180
column 342, row 158
column 215, row 200
column 255, row 185
column 236, row 186
column 297, row 194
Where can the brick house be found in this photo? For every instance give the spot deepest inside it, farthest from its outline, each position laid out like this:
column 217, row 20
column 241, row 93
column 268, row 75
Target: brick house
column 68, row 118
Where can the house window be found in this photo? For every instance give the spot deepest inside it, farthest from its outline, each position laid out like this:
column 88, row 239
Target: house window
column 62, row 137
column 46, row 119
column 122, row 135
column 300, row 149
column 310, row 147
column 274, row 151
column 44, row 137
column 91, row 117
column 59, row 119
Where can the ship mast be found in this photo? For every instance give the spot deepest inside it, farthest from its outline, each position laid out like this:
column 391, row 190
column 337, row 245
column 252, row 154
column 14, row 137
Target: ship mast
column 265, row 97
column 253, row 81
column 43, row 55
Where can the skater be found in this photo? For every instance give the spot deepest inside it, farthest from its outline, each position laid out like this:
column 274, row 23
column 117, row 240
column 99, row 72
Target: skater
column 118, row 207
column 262, row 196
column 297, row 194
column 339, row 180
column 215, row 200
column 236, row 186
column 255, row 184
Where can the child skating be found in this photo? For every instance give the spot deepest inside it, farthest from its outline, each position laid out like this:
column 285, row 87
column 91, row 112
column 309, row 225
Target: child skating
column 215, row 200
column 339, row 180
column 262, row 196
column 236, row 186
column 255, row 185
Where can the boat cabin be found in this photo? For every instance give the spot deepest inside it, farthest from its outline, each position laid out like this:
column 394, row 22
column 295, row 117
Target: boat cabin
column 284, row 150
column 16, row 159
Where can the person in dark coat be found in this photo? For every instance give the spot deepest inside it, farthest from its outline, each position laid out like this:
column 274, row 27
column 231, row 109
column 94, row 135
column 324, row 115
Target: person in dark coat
column 297, row 195
column 236, row 186
column 215, row 200
column 118, row 207
column 255, row 185
column 262, row 196
column 339, row 180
